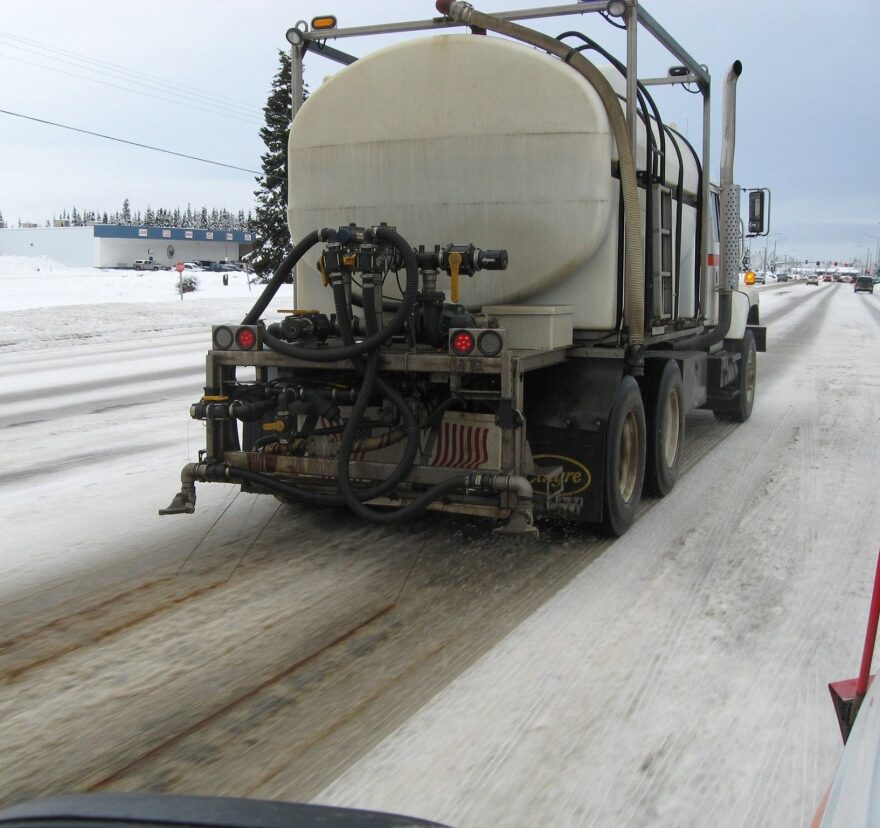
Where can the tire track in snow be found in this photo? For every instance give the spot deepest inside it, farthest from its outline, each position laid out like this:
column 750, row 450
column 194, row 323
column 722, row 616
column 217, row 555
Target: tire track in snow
column 44, row 468
column 667, row 650
column 71, row 389
column 779, row 313
column 32, row 416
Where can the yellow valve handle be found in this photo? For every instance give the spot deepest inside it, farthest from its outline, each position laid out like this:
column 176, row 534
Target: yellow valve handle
column 278, row 425
column 454, row 260
column 320, row 265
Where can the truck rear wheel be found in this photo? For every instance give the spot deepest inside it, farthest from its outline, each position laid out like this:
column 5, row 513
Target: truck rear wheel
column 624, row 458
column 665, row 421
column 741, row 408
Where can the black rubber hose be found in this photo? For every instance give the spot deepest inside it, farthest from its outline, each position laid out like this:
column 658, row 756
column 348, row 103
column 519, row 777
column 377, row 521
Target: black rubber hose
column 410, row 422
column 280, row 275
column 369, row 382
column 349, row 495
column 371, row 342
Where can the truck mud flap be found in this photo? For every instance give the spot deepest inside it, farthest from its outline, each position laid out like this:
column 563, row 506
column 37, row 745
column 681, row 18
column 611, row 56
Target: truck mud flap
column 567, row 409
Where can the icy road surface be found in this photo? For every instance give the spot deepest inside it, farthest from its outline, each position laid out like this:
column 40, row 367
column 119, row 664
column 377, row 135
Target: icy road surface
column 674, row 677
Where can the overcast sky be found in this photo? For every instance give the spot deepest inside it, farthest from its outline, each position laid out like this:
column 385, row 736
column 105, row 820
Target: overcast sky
column 808, row 101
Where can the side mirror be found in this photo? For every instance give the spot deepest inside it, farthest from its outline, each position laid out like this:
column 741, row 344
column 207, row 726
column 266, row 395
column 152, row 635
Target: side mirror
column 759, row 214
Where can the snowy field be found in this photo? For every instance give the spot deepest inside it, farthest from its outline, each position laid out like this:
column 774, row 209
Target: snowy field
column 107, row 304
column 675, row 677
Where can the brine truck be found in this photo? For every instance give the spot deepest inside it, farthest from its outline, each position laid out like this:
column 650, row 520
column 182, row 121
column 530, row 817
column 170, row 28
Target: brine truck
column 512, row 281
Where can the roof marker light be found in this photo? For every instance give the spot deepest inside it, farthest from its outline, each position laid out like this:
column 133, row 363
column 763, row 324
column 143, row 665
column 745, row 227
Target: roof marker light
column 327, row 21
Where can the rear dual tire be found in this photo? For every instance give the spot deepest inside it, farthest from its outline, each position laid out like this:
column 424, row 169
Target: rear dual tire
column 665, row 421
column 625, row 447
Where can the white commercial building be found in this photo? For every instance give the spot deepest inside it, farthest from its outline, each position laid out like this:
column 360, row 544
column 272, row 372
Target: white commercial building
column 117, row 245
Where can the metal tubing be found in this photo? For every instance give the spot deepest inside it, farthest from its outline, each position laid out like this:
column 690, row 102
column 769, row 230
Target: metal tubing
column 706, row 287
column 728, row 130
column 681, row 79
column 296, row 83
column 870, row 637
column 730, row 236
column 632, row 78
column 446, row 23
column 669, row 42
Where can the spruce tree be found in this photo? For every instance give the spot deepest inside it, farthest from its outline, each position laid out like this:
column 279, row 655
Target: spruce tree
column 270, row 223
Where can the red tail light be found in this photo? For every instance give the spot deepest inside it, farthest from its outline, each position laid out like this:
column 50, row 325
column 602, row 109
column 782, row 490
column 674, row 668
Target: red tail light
column 462, row 342
column 246, row 338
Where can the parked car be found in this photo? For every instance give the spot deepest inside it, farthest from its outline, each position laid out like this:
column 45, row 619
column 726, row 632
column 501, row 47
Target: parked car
column 812, row 279
column 193, row 267
column 863, row 284
column 760, row 278
column 147, row 264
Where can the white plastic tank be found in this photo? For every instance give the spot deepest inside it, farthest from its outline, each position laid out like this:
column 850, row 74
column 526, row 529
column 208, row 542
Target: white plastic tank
column 467, row 138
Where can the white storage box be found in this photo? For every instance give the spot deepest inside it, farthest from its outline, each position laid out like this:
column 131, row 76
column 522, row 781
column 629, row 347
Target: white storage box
column 534, row 327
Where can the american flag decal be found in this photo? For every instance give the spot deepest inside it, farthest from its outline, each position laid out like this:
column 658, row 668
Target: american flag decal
column 463, row 445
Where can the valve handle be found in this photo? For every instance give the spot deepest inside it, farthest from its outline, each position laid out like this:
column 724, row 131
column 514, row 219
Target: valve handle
column 454, row 261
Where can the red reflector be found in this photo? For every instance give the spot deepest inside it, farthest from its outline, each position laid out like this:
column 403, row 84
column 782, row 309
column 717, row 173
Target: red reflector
column 713, row 259
column 463, row 342
column 246, row 338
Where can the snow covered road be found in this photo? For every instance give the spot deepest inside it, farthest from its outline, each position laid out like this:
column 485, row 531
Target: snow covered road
column 676, row 676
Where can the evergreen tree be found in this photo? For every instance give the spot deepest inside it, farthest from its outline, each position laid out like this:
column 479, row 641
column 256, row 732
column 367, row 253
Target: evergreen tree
column 203, row 219
column 126, row 212
column 188, row 220
column 270, row 223
column 104, row 218
column 2, row 222
column 149, row 217
column 175, row 217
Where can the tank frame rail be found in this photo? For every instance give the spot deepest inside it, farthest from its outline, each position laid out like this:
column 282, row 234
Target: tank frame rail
column 319, row 473
column 314, row 41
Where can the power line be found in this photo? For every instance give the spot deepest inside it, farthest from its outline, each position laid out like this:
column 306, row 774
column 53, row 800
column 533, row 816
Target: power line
column 137, row 77
column 188, row 104
column 131, row 143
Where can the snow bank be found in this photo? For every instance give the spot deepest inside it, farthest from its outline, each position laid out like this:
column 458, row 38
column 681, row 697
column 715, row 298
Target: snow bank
column 42, row 308
column 28, row 264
